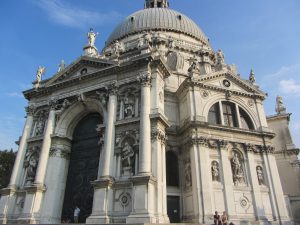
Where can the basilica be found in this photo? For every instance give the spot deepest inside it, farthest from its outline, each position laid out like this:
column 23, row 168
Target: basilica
column 155, row 128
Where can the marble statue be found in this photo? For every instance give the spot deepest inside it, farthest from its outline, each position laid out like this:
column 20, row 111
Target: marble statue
column 61, row 66
column 129, row 107
column 252, row 77
column 215, row 171
column 260, row 176
column 280, row 108
column 40, row 72
column 127, row 155
column 39, row 130
column 30, row 164
column 220, row 57
column 92, row 37
column 237, row 170
column 188, row 174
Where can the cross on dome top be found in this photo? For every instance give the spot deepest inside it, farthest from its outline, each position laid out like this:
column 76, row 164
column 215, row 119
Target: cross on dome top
column 156, row 4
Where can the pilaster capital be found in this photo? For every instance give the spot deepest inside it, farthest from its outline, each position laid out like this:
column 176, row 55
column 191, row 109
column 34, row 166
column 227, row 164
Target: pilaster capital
column 159, row 135
column 144, row 78
column 59, row 152
column 112, row 88
column 30, row 110
column 223, row 144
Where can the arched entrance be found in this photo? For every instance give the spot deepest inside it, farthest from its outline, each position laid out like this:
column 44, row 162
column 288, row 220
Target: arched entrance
column 83, row 168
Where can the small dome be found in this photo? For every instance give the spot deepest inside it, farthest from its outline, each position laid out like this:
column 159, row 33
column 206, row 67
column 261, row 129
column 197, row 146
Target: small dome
column 157, row 19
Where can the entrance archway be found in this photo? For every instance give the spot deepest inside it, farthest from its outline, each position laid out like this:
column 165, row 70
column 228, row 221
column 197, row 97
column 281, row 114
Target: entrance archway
column 83, row 168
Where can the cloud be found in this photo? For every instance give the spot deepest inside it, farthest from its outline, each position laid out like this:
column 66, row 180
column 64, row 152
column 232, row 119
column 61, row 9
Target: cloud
column 286, row 71
column 289, row 87
column 67, row 15
column 15, row 94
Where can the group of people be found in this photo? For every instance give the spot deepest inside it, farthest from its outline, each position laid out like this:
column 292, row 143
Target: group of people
column 221, row 219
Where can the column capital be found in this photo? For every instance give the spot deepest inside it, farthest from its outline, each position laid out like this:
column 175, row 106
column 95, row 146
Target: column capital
column 144, row 78
column 53, row 104
column 112, row 88
column 59, row 152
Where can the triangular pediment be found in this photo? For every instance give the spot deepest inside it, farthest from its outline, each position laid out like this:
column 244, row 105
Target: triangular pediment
column 231, row 82
column 82, row 66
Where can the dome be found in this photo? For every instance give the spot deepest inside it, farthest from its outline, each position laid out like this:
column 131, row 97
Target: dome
column 158, row 19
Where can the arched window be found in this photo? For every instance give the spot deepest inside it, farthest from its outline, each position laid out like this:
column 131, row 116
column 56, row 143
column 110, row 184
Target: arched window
column 246, row 122
column 229, row 115
column 172, row 169
column 214, row 114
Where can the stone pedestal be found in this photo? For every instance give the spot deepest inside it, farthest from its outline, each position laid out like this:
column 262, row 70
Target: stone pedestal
column 102, row 202
column 143, row 200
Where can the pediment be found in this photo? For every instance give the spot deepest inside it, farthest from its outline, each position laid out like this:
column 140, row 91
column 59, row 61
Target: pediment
column 228, row 81
column 82, row 66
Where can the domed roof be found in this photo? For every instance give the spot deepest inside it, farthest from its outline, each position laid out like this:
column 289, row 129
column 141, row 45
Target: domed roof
column 163, row 19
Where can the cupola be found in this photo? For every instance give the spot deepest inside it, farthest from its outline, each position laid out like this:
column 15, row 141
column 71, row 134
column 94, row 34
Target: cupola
column 156, row 4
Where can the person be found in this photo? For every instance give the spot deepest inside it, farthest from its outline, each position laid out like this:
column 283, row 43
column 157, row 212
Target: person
column 76, row 214
column 224, row 218
column 217, row 219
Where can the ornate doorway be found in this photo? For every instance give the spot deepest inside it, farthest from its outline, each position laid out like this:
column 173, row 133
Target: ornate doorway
column 83, row 168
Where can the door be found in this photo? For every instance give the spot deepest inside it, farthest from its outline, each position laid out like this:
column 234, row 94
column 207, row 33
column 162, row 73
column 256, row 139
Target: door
column 83, row 168
column 173, row 207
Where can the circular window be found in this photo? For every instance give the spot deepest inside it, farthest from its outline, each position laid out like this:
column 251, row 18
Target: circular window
column 226, row 83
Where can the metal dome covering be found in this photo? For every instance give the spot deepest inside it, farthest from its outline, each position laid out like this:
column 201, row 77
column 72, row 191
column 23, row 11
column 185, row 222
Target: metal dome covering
column 163, row 19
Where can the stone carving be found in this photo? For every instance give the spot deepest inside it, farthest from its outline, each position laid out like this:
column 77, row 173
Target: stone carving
column 220, row 57
column 129, row 110
column 30, row 110
column 215, row 171
column 237, row 169
column 280, row 109
column 59, row 152
column 260, row 175
column 252, row 77
column 127, row 156
column 91, row 35
column 171, row 43
column 144, row 78
column 228, row 94
column 187, row 174
column 40, row 123
column 61, row 66
column 124, row 199
column 244, row 202
column 194, row 66
column 117, row 48
column 100, row 129
column 40, row 72
column 31, row 163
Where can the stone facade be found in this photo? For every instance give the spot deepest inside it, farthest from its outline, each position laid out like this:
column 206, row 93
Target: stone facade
column 286, row 158
column 179, row 135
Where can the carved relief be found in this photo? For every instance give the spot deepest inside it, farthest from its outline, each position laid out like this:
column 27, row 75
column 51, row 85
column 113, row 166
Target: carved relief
column 144, row 78
column 187, row 174
column 31, row 163
column 237, row 169
column 124, row 199
column 40, row 123
column 215, row 171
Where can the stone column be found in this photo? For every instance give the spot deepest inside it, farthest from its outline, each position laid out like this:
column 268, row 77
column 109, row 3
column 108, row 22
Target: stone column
column 44, row 156
column 145, row 125
column 258, row 204
column 55, row 181
column 206, row 181
column 18, row 165
column 196, row 184
column 275, row 182
column 109, row 137
column 227, row 177
column 103, row 192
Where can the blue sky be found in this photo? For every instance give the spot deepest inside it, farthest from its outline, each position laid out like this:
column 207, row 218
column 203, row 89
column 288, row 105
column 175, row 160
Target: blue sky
column 259, row 34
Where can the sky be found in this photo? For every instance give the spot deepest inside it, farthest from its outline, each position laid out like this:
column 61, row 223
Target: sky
column 259, row 34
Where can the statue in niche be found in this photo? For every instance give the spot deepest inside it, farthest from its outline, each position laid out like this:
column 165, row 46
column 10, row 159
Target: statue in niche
column 30, row 164
column 280, row 109
column 215, row 171
column 39, row 129
column 128, row 106
column 188, row 174
column 237, row 170
column 127, row 156
column 260, row 175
